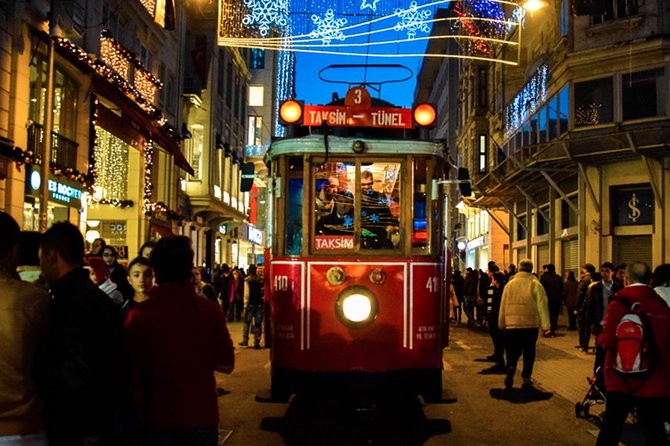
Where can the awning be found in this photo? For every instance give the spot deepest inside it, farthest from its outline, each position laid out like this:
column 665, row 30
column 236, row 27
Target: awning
column 140, row 122
column 132, row 125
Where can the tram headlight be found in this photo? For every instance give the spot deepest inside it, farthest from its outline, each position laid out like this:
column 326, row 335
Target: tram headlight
column 424, row 115
column 356, row 307
column 290, row 112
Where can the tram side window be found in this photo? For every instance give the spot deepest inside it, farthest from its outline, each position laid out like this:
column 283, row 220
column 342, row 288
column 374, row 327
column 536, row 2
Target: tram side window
column 334, row 206
column 420, row 234
column 380, row 205
column 294, row 200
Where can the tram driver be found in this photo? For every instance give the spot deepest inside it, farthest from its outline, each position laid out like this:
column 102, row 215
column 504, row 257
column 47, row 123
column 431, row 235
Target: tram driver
column 341, row 220
column 377, row 221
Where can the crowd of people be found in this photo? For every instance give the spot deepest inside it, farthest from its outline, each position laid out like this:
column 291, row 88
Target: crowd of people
column 99, row 354
column 518, row 306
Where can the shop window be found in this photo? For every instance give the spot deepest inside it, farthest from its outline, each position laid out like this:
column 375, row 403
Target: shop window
column 593, row 102
column 644, row 94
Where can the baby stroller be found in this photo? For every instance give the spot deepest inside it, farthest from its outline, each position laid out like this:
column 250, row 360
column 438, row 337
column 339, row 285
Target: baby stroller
column 595, row 394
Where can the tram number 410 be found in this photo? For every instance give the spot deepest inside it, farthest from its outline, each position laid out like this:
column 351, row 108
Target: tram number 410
column 432, row 284
column 281, row 283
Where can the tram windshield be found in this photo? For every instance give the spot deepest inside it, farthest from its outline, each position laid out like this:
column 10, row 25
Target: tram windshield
column 343, row 187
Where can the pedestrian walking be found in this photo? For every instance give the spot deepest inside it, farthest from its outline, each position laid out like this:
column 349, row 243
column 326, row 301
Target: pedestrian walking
column 523, row 309
column 24, row 312
column 84, row 360
column 587, row 272
column 175, row 341
column 493, row 300
column 470, row 292
column 253, row 308
column 459, row 288
column 598, row 296
column 570, row 299
column 141, row 278
column 650, row 392
column 235, row 296
column 553, row 286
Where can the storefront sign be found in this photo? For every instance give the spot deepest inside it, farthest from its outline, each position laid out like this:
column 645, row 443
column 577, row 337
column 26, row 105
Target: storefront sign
column 255, row 235
column 475, row 243
column 223, row 229
column 60, row 190
column 632, row 206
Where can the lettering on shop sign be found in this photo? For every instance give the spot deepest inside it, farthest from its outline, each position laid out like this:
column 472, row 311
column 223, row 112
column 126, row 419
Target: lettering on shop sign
column 426, row 332
column 334, row 242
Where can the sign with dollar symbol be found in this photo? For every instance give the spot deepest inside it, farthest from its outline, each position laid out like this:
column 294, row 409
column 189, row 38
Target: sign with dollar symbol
column 632, row 206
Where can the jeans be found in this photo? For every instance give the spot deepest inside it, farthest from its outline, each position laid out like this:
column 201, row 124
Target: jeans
column 254, row 312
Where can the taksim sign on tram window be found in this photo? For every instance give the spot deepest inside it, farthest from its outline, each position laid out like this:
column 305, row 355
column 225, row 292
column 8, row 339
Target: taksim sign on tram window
column 343, row 116
column 334, row 242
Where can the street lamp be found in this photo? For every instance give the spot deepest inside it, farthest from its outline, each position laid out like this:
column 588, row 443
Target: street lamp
column 533, row 5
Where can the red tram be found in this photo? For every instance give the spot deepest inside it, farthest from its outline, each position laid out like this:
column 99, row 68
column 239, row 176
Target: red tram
column 355, row 273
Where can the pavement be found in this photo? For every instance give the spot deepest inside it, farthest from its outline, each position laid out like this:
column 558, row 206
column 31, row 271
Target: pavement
column 562, row 369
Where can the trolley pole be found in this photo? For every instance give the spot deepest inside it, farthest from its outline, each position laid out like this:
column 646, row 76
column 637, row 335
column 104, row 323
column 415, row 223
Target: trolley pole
column 48, row 125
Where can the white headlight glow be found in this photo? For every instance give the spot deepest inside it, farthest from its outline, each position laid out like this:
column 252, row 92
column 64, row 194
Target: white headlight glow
column 357, row 307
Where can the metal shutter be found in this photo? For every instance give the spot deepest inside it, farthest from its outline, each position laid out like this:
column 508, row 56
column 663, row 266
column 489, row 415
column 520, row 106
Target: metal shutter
column 542, row 256
column 570, row 256
column 628, row 249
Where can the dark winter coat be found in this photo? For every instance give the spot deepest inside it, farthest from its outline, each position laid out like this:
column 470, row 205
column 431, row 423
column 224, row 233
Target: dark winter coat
column 553, row 285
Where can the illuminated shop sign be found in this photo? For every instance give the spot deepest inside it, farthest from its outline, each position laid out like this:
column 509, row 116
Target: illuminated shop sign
column 60, row 190
column 255, row 235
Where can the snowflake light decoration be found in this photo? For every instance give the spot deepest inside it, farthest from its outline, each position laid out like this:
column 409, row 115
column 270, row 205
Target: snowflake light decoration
column 412, row 20
column 369, row 4
column 327, row 28
column 265, row 14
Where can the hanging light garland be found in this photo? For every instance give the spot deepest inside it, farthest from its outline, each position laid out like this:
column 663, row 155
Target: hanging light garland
column 149, row 206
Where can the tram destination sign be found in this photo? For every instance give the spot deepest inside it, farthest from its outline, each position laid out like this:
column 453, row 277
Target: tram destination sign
column 343, row 116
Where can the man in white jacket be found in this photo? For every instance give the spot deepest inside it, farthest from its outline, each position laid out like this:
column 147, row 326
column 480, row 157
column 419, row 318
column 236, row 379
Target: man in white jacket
column 523, row 309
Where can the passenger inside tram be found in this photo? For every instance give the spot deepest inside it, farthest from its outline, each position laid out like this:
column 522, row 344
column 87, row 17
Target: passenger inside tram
column 378, row 224
column 341, row 220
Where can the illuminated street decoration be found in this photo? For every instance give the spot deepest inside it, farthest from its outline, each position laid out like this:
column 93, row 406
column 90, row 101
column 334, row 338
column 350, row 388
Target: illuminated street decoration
column 265, row 14
column 527, row 100
column 412, row 19
column 328, row 27
column 372, row 28
column 369, row 4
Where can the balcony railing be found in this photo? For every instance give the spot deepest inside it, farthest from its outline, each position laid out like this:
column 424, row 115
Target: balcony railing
column 63, row 150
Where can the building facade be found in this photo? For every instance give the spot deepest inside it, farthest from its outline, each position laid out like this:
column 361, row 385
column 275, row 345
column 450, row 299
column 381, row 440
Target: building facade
column 149, row 124
column 573, row 141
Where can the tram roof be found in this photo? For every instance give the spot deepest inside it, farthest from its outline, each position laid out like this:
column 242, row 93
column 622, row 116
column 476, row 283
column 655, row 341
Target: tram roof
column 343, row 146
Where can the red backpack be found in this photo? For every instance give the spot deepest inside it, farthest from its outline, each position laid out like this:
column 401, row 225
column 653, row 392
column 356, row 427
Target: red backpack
column 633, row 346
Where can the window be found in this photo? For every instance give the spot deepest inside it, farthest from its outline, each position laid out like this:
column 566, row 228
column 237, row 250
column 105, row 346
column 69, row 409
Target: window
column 420, row 234
column 520, row 230
column 562, row 110
column 255, row 131
column 593, row 102
column 256, row 95
column 145, row 57
column 64, row 100
column 257, row 59
column 616, row 9
column 482, row 153
column 294, row 200
column 568, row 215
column 341, row 211
column 196, row 144
column 542, row 224
column 644, row 94
column 482, row 85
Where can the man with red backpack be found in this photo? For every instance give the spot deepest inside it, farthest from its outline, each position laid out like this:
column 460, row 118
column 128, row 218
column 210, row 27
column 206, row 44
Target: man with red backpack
column 648, row 390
